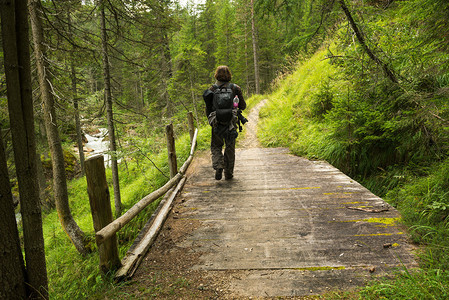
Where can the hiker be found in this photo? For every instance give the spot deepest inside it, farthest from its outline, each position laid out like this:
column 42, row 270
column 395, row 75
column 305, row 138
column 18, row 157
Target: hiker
column 223, row 100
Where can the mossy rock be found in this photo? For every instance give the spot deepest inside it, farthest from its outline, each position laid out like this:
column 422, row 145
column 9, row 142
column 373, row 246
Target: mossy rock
column 72, row 166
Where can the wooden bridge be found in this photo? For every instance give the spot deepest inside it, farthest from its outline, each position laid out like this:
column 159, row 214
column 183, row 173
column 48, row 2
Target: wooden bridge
column 284, row 226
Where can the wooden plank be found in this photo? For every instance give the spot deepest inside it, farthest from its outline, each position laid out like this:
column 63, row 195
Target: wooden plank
column 282, row 215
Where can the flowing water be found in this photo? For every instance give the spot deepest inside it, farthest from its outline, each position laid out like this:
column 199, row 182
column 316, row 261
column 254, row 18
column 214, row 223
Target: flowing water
column 97, row 145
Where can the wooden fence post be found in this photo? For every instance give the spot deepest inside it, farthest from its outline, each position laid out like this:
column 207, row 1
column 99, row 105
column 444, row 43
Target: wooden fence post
column 191, row 126
column 172, row 163
column 100, row 205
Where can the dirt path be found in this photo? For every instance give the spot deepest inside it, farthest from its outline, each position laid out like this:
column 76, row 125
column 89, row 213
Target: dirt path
column 251, row 140
column 283, row 227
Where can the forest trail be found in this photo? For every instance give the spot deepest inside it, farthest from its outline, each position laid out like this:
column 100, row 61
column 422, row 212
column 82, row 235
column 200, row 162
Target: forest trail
column 284, row 226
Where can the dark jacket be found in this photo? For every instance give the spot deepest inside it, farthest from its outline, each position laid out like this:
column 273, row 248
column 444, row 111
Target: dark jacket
column 208, row 96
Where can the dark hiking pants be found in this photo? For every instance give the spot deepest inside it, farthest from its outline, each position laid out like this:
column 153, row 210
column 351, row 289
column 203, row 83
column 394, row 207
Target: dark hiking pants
column 219, row 160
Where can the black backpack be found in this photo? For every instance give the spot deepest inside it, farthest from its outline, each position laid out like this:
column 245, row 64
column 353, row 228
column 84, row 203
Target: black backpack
column 222, row 102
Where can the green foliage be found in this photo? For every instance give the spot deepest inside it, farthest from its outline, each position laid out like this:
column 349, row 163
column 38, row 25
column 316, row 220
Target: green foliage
column 322, row 101
column 283, row 119
column 424, row 203
column 431, row 284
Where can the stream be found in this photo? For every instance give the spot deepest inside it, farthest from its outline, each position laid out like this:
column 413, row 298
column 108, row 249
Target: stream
column 97, row 145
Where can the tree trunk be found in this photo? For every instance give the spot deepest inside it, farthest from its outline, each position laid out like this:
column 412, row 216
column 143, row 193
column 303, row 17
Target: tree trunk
column 165, row 71
column 246, row 55
column 192, row 92
column 69, row 225
column 14, row 21
column 12, row 267
column 100, row 205
column 254, row 35
column 165, row 65
column 79, row 138
column 109, row 112
column 388, row 72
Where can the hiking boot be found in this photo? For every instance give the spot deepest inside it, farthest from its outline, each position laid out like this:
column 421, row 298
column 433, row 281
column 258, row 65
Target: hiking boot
column 228, row 176
column 218, row 174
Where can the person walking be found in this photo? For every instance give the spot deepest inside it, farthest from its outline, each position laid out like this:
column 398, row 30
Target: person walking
column 223, row 100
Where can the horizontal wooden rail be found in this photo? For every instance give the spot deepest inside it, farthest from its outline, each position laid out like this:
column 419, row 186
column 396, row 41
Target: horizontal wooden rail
column 133, row 258
column 192, row 148
column 118, row 223
column 109, row 230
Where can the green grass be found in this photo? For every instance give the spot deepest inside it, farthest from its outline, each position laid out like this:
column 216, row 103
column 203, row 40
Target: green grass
column 283, row 121
column 421, row 284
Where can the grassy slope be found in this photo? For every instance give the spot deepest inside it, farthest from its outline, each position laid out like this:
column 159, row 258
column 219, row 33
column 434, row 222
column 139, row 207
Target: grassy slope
column 289, row 103
column 421, row 192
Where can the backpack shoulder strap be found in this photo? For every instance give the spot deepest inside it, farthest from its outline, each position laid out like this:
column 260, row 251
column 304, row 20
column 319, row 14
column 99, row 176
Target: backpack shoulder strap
column 232, row 87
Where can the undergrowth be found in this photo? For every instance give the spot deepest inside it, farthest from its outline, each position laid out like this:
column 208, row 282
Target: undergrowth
column 392, row 137
column 70, row 275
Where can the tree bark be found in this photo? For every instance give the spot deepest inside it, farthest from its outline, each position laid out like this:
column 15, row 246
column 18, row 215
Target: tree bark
column 79, row 138
column 246, row 54
column 12, row 267
column 69, row 225
column 14, row 21
column 165, row 64
column 388, row 72
column 254, row 36
column 165, row 71
column 109, row 112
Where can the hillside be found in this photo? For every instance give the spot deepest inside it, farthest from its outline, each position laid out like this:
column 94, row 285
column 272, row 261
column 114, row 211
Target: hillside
column 339, row 105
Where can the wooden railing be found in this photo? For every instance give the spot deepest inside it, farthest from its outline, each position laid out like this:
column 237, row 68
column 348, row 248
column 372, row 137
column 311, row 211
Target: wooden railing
column 104, row 225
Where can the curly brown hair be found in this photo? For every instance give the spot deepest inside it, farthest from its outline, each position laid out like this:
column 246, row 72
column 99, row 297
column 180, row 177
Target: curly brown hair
column 222, row 73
